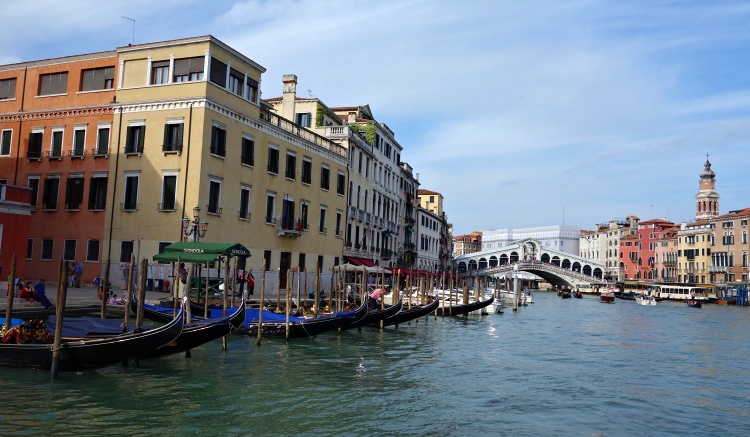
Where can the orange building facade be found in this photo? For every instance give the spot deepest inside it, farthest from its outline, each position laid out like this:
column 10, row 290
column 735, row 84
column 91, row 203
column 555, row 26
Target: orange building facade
column 55, row 130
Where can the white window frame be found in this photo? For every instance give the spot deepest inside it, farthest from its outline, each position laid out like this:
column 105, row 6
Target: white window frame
column 10, row 142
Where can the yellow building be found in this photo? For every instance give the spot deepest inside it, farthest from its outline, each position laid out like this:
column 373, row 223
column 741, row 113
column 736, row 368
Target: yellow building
column 190, row 131
column 694, row 252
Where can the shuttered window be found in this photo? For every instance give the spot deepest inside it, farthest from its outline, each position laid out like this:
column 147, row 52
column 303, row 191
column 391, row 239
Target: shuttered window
column 218, row 73
column 8, row 88
column 98, row 79
column 54, row 83
column 188, row 69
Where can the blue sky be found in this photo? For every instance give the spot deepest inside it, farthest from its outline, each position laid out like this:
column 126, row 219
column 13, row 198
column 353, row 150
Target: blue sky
column 520, row 113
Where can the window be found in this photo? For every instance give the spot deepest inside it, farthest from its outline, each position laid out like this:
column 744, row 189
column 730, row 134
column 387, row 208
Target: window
column 270, row 208
column 267, row 259
column 168, row 192
column 54, row 83
column 49, row 197
column 248, row 150
column 102, row 140
column 303, row 119
column 188, row 69
column 236, row 82
column 159, row 72
column 69, row 250
column 74, row 193
column 339, row 215
column 252, row 90
column 162, row 248
column 98, row 193
column 306, row 171
column 173, row 137
column 218, row 141
column 218, row 73
column 325, row 176
column 79, row 142
column 8, row 89
column 33, row 183
column 130, row 200
column 35, row 144
column 273, row 160
column 47, row 246
column 291, row 165
column 135, row 138
column 341, row 183
column 245, row 202
column 214, row 196
column 323, row 228
column 5, row 142
column 126, row 250
column 30, row 248
column 98, row 79
column 288, row 221
column 56, row 145
column 92, row 250
column 305, row 209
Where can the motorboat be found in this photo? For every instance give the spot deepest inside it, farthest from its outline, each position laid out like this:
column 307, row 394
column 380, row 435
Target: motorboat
column 645, row 300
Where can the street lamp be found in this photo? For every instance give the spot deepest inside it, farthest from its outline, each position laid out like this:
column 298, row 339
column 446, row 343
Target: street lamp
column 196, row 228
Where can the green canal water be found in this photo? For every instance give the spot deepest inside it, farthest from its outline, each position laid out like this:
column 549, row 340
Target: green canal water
column 557, row 367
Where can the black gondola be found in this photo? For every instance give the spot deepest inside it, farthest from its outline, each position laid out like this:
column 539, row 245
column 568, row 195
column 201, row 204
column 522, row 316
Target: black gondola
column 578, row 294
column 565, row 294
column 458, row 310
column 195, row 333
column 693, row 303
column 274, row 324
column 373, row 317
column 86, row 354
column 409, row 314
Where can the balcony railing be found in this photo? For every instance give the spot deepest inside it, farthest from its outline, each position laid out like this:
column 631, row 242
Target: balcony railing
column 244, row 215
column 133, row 150
column 166, row 206
column 295, row 129
column 290, row 226
column 171, row 148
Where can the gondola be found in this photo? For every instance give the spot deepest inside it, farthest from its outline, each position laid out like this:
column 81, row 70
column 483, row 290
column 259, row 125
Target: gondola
column 274, row 324
column 578, row 294
column 458, row 310
column 693, row 303
column 408, row 314
column 86, row 354
column 565, row 294
column 374, row 317
column 196, row 333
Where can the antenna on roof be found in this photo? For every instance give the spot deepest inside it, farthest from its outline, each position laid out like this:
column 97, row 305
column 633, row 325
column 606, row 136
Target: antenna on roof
column 309, row 93
column 133, row 41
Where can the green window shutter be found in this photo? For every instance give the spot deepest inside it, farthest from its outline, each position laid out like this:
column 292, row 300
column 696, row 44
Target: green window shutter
column 180, row 131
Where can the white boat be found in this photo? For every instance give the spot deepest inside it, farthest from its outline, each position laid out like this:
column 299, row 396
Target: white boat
column 497, row 306
column 645, row 300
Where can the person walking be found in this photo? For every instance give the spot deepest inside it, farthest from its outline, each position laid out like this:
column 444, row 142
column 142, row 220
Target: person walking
column 250, row 282
column 77, row 273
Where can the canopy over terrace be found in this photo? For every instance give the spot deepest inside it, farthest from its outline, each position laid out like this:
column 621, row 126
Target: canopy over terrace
column 353, row 268
column 195, row 252
column 415, row 273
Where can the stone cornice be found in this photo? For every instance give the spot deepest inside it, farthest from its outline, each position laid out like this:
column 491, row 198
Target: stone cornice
column 55, row 114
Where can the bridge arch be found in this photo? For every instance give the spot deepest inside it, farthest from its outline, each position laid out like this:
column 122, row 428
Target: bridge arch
column 565, row 264
column 576, row 267
column 482, row 263
column 586, row 270
column 493, row 261
column 514, row 257
column 545, row 258
column 472, row 264
column 504, row 259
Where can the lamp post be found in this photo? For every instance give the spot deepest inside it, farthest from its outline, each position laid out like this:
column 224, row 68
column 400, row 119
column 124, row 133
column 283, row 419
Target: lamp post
column 196, row 227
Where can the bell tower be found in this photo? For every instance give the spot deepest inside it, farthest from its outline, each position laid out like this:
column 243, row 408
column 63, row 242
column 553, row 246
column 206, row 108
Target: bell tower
column 707, row 199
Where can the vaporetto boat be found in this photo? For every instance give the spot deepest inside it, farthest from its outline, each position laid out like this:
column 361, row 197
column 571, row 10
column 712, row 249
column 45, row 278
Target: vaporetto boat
column 680, row 292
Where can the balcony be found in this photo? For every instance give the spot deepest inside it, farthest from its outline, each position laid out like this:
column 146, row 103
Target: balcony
column 77, row 154
column 286, row 125
column 166, row 206
column 409, row 220
column 386, row 253
column 719, row 269
column 289, row 226
column 133, row 150
column 171, row 148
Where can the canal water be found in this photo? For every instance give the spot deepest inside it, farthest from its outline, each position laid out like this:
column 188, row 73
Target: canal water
column 557, row 367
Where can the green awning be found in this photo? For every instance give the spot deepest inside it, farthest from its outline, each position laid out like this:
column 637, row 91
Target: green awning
column 200, row 258
column 201, row 252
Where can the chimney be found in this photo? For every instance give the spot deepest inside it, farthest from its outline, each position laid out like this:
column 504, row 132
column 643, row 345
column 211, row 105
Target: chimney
column 351, row 117
column 287, row 99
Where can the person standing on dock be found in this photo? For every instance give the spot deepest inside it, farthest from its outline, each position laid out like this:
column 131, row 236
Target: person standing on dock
column 77, row 273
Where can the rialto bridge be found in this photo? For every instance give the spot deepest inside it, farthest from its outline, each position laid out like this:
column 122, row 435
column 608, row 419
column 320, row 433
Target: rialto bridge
column 555, row 267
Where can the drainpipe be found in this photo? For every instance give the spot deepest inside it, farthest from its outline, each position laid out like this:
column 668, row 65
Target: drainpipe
column 187, row 166
column 20, row 126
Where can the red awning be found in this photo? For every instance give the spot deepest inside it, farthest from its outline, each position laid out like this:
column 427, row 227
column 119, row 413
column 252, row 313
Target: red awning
column 360, row 261
column 355, row 261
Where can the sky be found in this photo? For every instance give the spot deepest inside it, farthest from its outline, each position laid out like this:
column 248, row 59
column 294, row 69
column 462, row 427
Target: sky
column 520, row 113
